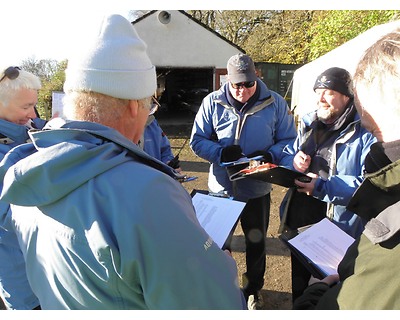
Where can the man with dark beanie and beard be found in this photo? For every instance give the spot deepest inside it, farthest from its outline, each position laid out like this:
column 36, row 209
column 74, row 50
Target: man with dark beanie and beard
column 367, row 276
column 331, row 147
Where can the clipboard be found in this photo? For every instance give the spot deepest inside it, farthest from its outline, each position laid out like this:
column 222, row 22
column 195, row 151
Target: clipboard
column 271, row 173
column 310, row 266
column 320, row 246
column 218, row 214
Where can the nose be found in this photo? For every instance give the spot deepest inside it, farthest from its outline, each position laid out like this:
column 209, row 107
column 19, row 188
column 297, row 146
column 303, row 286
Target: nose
column 32, row 113
column 321, row 97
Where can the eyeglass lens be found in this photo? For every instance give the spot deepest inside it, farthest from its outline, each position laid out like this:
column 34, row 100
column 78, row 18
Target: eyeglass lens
column 243, row 84
column 11, row 73
column 154, row 105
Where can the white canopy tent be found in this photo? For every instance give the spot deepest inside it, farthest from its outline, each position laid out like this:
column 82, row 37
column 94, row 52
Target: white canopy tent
column 345, row 56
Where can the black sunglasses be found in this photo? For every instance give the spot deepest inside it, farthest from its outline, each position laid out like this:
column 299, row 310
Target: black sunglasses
column 11, row 73
column 249, row 84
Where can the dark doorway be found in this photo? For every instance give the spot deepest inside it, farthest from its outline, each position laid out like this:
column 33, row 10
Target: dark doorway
column 181, row 90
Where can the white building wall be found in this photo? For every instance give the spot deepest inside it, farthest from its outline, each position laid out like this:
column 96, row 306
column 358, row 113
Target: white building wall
column 183, row 43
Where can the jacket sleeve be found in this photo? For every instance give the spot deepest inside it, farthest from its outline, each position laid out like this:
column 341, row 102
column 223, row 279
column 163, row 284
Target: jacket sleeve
column 339, row 188
column 203, row 139
column 285, row 129
column 288, row 154
column 8, row 158
column 309, row 299
column 156, row 143
column 165, row 147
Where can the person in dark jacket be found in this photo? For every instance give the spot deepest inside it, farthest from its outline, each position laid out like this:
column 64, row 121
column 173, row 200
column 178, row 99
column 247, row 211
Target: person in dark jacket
column 331, row 147
column 368, row 274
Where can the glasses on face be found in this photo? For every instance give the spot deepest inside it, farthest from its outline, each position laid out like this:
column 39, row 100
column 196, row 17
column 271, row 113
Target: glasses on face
column 248, row 84
column 154, row 105
column 11, row 73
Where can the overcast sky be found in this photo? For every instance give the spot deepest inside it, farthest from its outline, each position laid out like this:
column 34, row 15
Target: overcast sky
column 45, row 29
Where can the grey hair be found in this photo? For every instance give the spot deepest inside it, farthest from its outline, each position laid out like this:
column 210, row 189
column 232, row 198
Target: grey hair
column 9, row 87
column 97, row 107
column 379, row 69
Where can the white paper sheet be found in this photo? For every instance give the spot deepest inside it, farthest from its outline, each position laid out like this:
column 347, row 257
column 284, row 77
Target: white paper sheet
column 217, row 215
column 324, row 244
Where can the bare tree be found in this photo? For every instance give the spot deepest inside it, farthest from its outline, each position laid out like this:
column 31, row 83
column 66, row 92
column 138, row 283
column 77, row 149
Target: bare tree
column 44, row 68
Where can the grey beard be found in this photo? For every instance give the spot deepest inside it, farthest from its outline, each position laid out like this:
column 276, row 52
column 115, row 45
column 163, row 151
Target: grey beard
column 325, row 115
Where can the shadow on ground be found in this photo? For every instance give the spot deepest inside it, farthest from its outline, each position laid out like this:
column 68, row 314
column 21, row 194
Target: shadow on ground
column 273, row 300
column 195, row 166
column 274, row 246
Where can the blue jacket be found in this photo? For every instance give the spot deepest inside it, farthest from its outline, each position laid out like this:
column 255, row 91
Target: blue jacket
column 14, row 286
column 102, row 228
column 155, row 142
column 346, row 171
column 267, row 126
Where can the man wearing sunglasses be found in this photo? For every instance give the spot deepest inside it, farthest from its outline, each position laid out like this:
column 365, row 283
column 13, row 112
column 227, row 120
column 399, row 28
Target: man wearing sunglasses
column 242, row 118
column 18, row 98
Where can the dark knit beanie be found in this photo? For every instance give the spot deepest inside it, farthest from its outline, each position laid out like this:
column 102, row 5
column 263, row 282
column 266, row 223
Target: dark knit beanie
column 336, row 79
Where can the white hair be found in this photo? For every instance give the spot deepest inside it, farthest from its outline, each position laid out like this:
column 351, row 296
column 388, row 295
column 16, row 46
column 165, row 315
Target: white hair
column 9, row 87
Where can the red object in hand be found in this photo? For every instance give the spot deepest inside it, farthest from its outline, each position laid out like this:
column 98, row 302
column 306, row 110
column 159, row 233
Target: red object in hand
column 258, row 168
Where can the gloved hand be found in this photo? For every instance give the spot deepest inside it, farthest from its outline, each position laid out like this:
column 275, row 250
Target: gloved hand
column 231, row 153
column 174, row 163
column 266, row 156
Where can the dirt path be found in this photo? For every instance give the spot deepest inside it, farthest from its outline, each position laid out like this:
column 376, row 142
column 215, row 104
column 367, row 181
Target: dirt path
column 277, row 290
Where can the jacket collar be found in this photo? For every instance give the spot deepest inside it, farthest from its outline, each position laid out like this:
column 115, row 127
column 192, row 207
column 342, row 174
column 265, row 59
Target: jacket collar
column 377, row 200
column 385, row 225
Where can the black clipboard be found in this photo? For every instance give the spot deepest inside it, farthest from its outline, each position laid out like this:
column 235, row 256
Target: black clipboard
column 278, row 175
column 310, row 266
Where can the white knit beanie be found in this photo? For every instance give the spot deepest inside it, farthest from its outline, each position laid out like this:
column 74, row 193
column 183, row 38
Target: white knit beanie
column 115, row 63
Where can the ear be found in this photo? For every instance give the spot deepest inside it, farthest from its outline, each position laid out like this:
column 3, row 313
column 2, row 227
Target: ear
column 133, row 108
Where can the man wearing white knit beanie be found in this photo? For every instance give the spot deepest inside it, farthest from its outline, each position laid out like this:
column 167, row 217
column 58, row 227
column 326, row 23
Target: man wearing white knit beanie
column 114, row 63
column 102, row 224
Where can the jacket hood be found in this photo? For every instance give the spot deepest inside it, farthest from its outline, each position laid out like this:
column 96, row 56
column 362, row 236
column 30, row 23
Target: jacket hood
column 65, row 158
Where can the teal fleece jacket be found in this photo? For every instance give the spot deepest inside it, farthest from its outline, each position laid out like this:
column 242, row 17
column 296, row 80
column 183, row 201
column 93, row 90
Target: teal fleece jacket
column 102, row 225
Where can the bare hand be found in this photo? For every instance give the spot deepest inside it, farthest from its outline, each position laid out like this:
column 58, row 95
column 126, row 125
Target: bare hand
column 228, row 252
column 307, row 187
column 329, row 280
column 301, row 161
